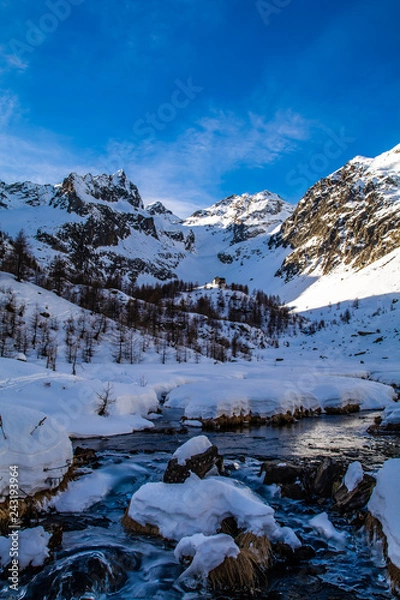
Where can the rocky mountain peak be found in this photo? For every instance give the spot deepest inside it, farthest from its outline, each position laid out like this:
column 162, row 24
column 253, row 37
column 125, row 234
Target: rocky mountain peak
column 263, row 209
column 351, row 217
column 77, row 190
column 158, row 208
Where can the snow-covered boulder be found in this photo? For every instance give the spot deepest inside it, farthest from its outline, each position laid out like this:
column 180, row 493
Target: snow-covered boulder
column 355, row 489
column 391, row 417
column 37, row 445
column 198, row 455
column 32, row 547
column 208, row 552
column 354, row 475
column 200, row 506
column 222, row 525
column 197, row 513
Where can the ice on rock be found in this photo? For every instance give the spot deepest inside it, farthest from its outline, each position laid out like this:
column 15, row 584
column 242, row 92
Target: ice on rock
column 325, row 528
column 384, row 506
column 354, row 475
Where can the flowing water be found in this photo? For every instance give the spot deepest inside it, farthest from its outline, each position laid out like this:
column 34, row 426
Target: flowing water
column 98, row 559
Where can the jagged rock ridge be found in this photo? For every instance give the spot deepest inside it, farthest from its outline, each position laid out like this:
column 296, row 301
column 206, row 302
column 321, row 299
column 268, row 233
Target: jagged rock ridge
column 351, row 217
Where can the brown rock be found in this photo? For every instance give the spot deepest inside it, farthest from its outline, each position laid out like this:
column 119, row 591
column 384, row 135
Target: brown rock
column 346, row 501
column 200, row 464
column 328, row 472
column 280, row 472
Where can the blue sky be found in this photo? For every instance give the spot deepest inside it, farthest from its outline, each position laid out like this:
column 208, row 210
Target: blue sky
column 197, row 99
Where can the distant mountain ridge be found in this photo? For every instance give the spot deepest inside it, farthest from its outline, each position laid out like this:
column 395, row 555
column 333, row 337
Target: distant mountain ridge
column 100, row 226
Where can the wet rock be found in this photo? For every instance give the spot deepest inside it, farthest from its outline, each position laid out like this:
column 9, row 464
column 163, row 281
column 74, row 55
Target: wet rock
column 73, row 522
column 293, row 556
column 307, row 586
column 321, row 482
column 98, row 570
column 295, row 491
column 85, row 457
column 200, row 464
column 342, row 410
column 280, row 472
column 378, row 429
column 55, row 541
column 346, row 501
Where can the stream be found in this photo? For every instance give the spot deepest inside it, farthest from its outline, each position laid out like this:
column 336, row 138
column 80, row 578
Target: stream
column 98, row 559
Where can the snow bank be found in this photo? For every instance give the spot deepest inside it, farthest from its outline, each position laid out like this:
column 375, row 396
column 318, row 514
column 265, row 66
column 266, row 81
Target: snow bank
column 83, row 493
column 196, row 445
column 354, row 475
column 32, row 547
column 325, row 528
column 384, row 506
column 278, row 392
column 73, row 401
column 37, row 445
column 140, row 403
column 200, row 505
column 94, row 426
column 207, row 551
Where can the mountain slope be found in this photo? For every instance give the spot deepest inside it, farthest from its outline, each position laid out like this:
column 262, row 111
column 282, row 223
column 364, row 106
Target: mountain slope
column 351, row 217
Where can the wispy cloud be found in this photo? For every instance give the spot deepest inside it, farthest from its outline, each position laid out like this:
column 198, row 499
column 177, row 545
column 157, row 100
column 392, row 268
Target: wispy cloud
column 9, row 108
column 41, row 159
column 186, row 172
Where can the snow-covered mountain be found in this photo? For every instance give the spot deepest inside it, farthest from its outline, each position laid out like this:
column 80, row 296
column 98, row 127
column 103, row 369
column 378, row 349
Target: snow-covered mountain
column 244, row 216
column 351, row 217
column 100, row 225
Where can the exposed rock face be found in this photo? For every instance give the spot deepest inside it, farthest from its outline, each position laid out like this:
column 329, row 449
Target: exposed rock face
column 75, row 191
column 200, row 464
column 351, row 217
